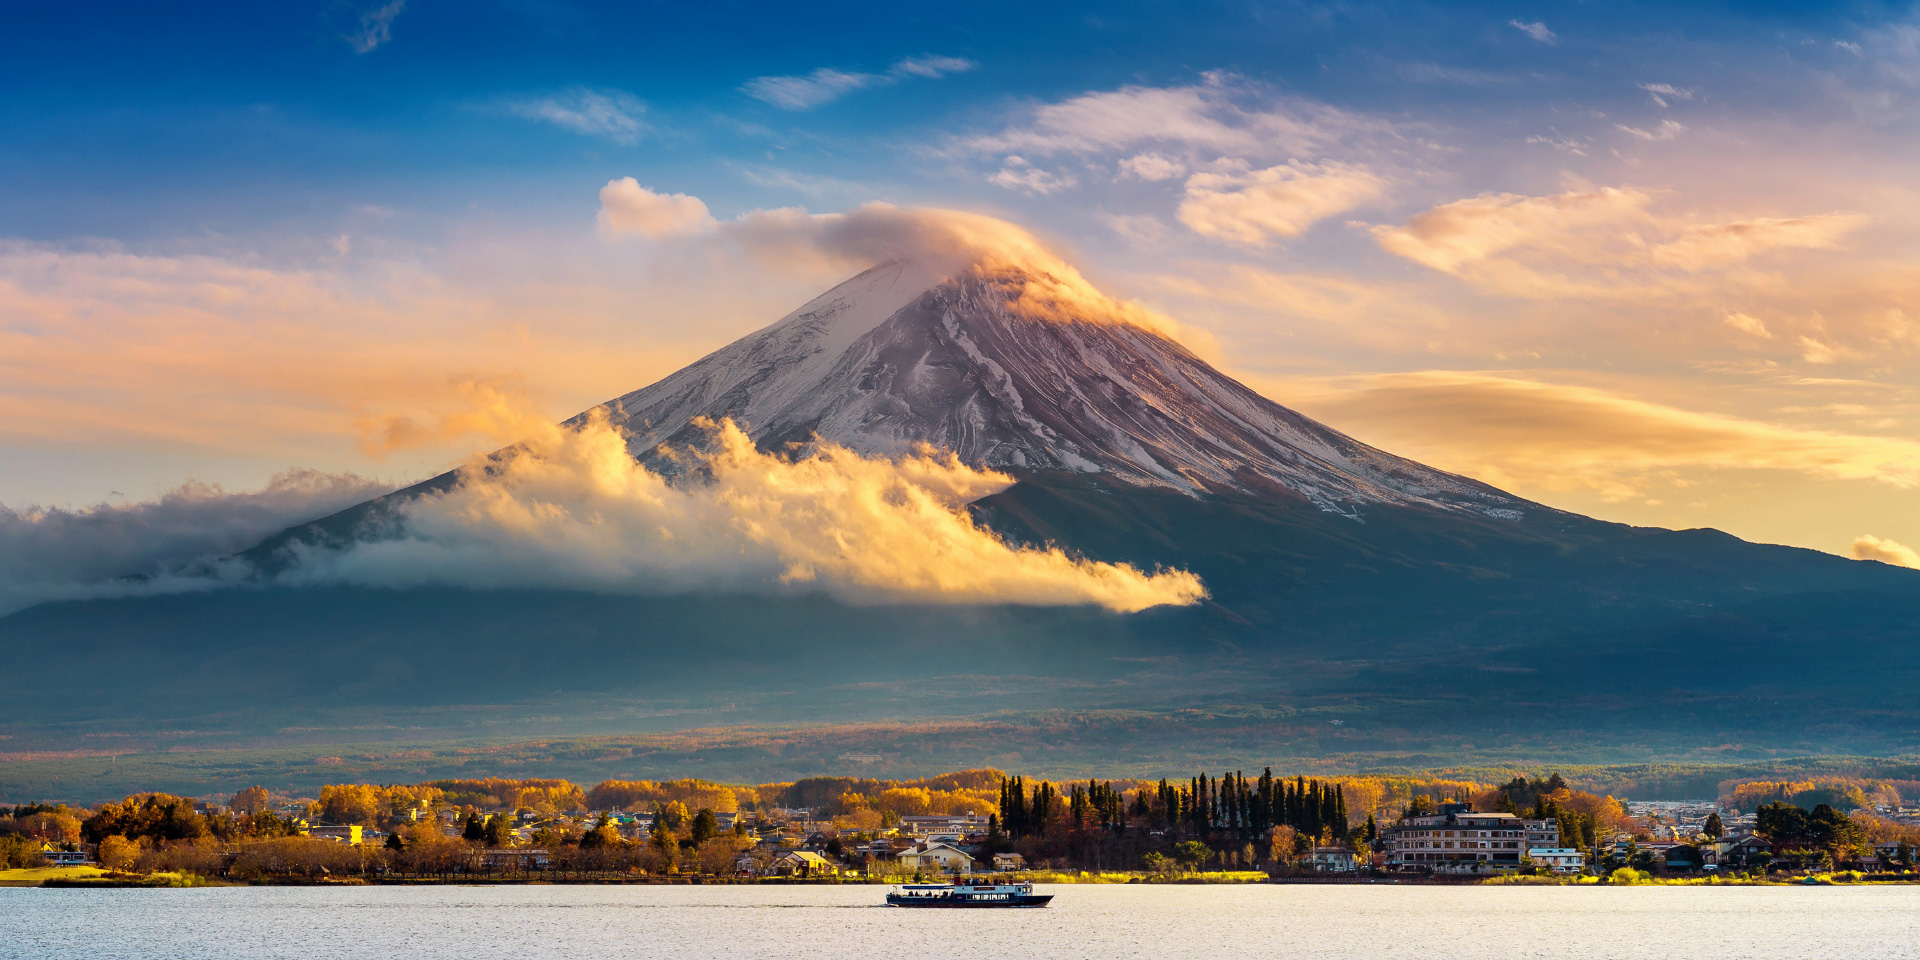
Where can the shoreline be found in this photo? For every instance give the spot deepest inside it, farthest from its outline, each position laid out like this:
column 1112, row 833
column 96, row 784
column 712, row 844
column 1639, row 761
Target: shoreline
column 72, row 878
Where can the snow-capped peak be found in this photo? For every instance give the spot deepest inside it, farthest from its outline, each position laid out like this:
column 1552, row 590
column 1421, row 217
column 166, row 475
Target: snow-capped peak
column 1026, row 372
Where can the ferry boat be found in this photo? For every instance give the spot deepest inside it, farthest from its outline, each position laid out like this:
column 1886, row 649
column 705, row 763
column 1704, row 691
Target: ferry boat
column 959, row 894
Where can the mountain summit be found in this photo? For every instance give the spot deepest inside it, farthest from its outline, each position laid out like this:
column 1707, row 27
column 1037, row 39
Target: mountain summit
column 993, row 365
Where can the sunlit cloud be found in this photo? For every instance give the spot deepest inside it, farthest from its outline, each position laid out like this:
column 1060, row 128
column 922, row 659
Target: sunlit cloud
column 571, row 509
column 1240, row 205
column 1579, row 243
column 626, row 207
column 1869, row 547
column 1546, row 436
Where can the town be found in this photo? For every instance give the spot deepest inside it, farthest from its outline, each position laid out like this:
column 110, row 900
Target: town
column 1229, row 828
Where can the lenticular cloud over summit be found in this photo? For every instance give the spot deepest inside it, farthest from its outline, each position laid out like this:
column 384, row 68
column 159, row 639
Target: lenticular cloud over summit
column 572, row 509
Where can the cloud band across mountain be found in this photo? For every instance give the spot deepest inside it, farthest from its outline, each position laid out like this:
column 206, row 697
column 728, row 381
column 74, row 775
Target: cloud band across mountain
column 571, row 509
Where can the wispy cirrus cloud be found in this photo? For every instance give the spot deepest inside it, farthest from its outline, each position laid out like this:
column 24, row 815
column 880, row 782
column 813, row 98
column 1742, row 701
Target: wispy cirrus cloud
column 376, row 27
column 826, row 84
column 1219, row 114
column 1664, row 92
column 1536, row 30
column 1531, row 433
column 609, row 114
column 1591, row 242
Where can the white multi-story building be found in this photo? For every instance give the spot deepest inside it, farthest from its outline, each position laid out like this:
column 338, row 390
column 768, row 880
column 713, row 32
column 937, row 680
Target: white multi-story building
column 1458, row 840
column 1558, row 859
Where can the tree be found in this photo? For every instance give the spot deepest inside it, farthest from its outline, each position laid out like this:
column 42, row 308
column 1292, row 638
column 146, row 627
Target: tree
column 1834, row 832
column 1713, row 828
column 158, row 816
column 497, row 832
column 604, row 834
column 1781, row 822
column 394, row 842
column 475, row 829
column 1192, row 853
column 254, row 799
column 705, row 826
column 117, row 852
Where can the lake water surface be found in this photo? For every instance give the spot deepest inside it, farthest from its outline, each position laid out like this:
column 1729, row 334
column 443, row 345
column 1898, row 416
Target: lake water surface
column 1106, row 922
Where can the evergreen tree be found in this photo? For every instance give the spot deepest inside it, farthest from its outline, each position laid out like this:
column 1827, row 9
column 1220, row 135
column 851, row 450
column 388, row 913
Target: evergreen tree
column 475, row 830
column 394, row 842
column 705, row 825
column 1713, row 828
column 496, row 833
column 1373, row 831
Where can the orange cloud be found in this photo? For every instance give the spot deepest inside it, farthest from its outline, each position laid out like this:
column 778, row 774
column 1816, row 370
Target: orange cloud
column 571, row 508
column 1240, row 205
column 1504, row 429
column 1592, row 243
column 1870, row 547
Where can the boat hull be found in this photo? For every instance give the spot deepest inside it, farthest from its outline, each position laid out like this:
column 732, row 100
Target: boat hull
column 962, row 903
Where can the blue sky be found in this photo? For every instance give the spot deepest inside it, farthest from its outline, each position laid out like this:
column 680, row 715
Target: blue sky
column 1650, row 262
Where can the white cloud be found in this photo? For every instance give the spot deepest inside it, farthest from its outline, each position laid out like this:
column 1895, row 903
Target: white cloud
column 1205, row 116
column 1536, row 30
column 1667, row 130
column 1245, row 206
column 1018, row 174
column 1852, row 48
column 1152, row 167
column 170, row 544
column 1869, row 547
column 1663, row 92
column 826, row 84
column 376, row 27
column 571, row 509
column 932, row 67
column 611, row 114
column 626, row 207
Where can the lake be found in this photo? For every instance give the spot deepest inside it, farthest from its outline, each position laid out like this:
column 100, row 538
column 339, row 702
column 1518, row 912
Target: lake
column 1105, row 922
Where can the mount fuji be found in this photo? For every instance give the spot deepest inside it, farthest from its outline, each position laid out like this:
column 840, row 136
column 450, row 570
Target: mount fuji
column 1416, row 603
column 902, row 355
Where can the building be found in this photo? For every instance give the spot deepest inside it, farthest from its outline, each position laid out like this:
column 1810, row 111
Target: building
column 1003, row 862
column 343, row 832
column 1458, row 840
column 1558, row 859
column 66, row 858
column 955, row 827
column 937, row 857
column 804, row 863
column 516, row 859
column 1334, row 860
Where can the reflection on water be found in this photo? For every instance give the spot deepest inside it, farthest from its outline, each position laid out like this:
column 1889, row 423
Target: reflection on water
column 1105, row 922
